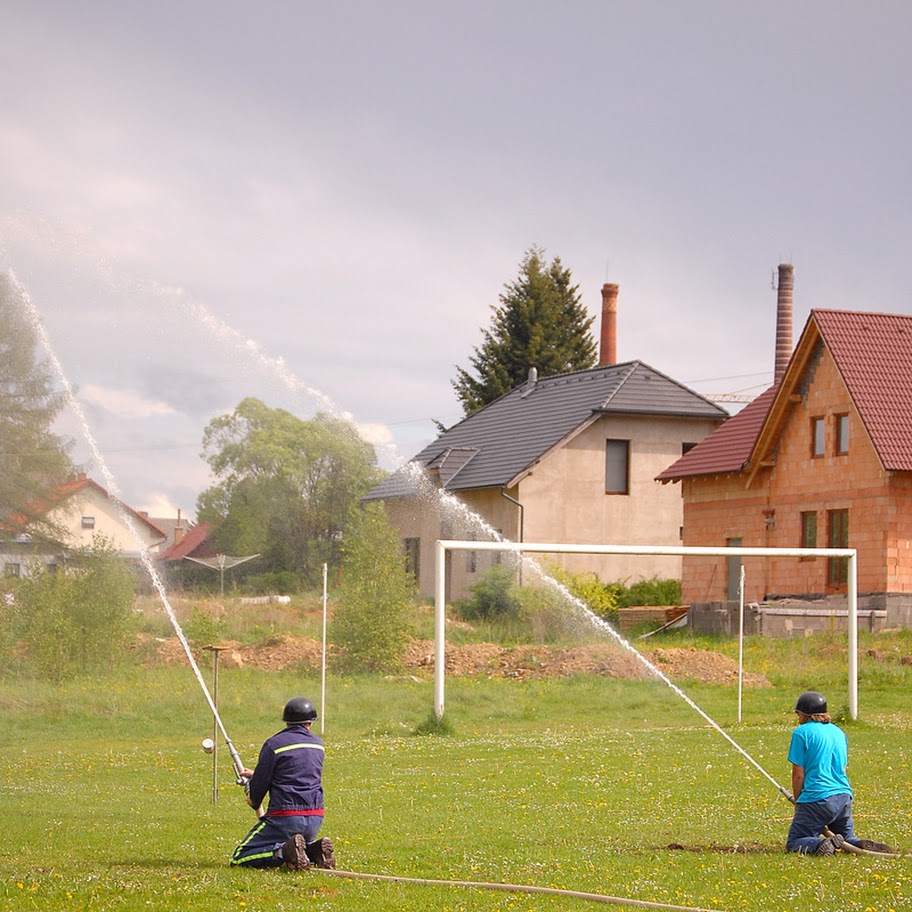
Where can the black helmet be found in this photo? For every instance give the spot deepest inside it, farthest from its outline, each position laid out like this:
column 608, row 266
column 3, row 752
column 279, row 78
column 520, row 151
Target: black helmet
column 299, row 709
column 810, row 703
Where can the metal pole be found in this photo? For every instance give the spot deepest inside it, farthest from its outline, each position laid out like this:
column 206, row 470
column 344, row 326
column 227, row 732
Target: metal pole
column 215, row 650
column 215, row 696
column 439, row 628
column 740, row 639
column 323, row 663
column 852, row 594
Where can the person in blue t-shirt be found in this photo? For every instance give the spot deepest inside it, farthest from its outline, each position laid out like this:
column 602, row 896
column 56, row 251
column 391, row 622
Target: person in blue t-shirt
column 819, row 753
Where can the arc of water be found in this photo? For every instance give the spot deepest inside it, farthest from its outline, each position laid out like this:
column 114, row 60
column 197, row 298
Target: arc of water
column 593, row 618
column 111, row 484
column 655, row 670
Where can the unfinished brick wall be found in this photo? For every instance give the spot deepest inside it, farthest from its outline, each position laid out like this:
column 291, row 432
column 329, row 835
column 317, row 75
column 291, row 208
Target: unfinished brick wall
column 767, row 513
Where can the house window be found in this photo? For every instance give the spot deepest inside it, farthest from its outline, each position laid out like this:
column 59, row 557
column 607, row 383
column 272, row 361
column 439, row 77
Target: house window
column 413, row 556
column 88, row 522
column 808, row 531
column 842, row 435
column 837, row 537
column 818, row 437
column 617, row 466
column 12, row 569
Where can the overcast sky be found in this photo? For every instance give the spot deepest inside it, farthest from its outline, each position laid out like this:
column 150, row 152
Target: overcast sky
column 318, row 203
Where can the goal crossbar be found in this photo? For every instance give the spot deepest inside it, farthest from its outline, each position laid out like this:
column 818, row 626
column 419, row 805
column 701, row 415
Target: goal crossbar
column 444, row 545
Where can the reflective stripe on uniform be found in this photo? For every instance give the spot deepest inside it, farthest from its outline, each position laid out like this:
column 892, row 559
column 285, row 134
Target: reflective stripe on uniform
column 299, row 746
column 237, row 857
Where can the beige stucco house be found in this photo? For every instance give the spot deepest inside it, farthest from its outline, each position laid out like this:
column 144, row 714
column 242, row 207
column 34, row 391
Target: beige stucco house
column 570, row 458
column 82, row 510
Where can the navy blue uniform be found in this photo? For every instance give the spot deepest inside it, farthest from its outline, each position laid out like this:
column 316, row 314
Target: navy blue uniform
column 290, row 771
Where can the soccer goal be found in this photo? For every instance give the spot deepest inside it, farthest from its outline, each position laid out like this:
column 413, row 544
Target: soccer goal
column 522, row 548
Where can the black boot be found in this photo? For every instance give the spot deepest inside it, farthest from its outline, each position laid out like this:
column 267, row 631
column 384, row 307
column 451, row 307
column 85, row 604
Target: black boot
column 320, row 853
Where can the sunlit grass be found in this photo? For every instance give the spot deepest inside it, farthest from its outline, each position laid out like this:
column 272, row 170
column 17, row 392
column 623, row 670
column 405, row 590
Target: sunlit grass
column 582, row 784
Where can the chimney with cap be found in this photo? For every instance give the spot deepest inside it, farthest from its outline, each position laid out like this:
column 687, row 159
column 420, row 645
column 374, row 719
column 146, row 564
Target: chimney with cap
column 784, row 319
column 608, row 344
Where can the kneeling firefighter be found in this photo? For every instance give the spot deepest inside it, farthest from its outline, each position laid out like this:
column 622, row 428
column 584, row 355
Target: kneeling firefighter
column 819, row 753
column 290, row 770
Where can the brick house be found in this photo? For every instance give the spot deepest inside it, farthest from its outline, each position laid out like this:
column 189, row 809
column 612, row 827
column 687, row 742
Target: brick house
column 570, row 458
column 821, row 459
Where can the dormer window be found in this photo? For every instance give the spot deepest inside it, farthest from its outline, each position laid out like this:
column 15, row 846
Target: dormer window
column 88, row 522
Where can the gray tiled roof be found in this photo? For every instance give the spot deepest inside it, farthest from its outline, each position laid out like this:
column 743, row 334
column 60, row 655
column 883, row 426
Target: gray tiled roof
column 492, row 446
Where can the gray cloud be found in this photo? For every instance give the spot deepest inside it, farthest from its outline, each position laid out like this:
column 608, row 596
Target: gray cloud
column 318, row 204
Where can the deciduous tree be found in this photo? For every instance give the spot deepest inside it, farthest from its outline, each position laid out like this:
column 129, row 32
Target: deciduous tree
column 286, row 485
column 371, row 621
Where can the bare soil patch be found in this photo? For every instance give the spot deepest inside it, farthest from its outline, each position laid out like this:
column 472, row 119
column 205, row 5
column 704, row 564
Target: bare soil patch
column 487, row 659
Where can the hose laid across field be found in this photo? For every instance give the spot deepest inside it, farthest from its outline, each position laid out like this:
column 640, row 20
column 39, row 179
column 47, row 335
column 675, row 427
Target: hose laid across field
column 514, row 888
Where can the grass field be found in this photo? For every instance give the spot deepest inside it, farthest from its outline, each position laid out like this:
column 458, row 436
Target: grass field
column 582, row 784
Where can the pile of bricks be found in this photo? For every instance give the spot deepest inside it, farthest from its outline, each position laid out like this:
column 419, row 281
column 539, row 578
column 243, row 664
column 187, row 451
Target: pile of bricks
column 628, row 618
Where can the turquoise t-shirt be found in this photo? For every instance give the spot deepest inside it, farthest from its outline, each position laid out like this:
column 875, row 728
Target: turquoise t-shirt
column 822, row 750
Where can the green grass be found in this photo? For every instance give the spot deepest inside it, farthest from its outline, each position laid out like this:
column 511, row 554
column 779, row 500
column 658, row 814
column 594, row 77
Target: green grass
column 580, row 784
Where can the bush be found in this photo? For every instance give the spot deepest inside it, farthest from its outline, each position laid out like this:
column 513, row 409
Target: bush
column 653, row 591
column 203, row 628
column 601, row 598
column 493, row 598
column 370, row 624
column 78, row 619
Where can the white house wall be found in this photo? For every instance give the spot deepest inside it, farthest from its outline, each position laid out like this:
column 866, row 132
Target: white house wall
column 109, row 522
column 565, row 499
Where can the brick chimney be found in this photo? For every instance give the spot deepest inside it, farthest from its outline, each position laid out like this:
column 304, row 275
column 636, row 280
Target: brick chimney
column 179, row 530
column 608, row 343
column 784, row 319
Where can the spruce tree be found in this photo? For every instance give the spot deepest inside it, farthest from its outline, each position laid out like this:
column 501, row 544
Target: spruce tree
column 540, row 322
column 33, row 459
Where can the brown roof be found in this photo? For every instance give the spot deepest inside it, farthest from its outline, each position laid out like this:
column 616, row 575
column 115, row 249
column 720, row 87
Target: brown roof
column 728, row 447
column 873, row 352
column 194, row 542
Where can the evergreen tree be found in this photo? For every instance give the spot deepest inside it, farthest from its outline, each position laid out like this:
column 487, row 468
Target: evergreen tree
column 540, row 322
column 33, row 460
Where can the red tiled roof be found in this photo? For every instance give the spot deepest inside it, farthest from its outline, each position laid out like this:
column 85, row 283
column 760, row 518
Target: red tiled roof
column 727, row 448
column 193, row 540
column 873, row 352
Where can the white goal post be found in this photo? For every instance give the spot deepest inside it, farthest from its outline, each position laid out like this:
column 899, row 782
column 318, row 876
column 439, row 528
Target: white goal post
column 444, row 545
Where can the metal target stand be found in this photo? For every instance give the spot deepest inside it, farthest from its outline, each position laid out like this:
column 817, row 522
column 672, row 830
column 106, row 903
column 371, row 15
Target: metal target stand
column 216, row 652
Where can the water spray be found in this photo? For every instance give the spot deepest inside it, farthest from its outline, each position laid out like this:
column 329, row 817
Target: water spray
column 500, row 543
column 114, row 490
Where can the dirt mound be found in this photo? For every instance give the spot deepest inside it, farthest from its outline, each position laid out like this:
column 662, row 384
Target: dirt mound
column 515, row 662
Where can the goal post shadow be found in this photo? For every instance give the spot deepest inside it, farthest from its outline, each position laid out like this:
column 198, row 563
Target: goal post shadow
column 520, row 548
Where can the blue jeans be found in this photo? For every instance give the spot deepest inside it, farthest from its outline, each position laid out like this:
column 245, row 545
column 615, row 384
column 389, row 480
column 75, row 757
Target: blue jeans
column 258, row 848
column 810, row 819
